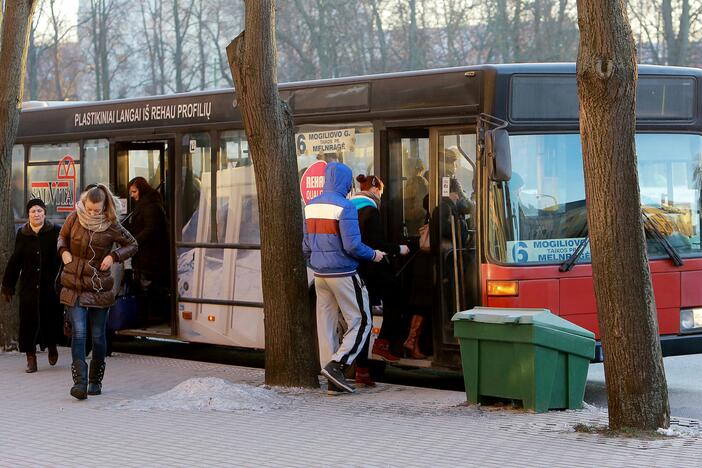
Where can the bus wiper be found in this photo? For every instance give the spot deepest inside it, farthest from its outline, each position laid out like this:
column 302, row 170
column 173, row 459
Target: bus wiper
column 570, row 262
column 658, row 236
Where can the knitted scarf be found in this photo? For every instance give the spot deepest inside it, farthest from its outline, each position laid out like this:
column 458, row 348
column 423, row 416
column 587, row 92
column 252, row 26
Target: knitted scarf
column 95, row 223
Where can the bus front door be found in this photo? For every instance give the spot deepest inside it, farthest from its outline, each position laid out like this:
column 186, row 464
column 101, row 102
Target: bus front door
column 453, row 212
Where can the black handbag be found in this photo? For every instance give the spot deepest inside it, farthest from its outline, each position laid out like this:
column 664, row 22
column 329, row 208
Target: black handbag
column 57, row 281
column 67, row 324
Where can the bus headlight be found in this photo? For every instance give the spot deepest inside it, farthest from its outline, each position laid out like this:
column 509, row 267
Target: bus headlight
column 690, row 320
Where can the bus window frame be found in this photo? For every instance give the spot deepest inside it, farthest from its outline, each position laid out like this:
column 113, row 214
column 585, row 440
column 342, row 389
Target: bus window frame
column 532, row 121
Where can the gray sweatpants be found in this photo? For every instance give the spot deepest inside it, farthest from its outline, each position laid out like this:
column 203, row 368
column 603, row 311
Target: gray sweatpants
column 348, row 294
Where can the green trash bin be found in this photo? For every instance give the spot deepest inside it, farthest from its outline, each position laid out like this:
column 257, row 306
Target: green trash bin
column 529, row 355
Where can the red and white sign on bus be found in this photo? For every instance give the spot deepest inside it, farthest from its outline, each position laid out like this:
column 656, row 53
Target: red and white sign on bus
column 312, row 181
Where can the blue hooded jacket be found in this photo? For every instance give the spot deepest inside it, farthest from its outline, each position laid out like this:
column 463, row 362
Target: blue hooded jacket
column 332, row 244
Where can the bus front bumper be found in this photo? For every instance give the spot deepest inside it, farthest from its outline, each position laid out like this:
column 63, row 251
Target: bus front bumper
column 671, row 345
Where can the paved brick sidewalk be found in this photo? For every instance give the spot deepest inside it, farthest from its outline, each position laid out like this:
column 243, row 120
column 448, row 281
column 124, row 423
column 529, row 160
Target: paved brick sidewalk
column 388, row 426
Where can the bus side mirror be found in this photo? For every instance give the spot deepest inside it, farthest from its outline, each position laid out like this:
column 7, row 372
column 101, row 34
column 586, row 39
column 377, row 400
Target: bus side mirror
column 498, row 155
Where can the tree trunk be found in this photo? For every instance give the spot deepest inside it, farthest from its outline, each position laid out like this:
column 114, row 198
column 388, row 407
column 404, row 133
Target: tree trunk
column 56, row 44
column 178, row 51
column 291, row 357
column 382, row 41
column 102, row 44
column 676, row 45
column 13, row 56
column 94, row 5
column 607, row 75
column 33, row 83
column 201, row 46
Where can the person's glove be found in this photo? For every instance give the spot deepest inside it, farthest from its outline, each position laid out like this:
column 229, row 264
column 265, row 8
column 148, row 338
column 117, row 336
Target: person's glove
column 379, row 255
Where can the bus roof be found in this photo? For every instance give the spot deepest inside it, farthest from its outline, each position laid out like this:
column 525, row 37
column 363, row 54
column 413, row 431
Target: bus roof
column 499, row 69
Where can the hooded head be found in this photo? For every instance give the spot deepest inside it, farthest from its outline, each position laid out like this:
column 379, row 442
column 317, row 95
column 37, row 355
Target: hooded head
column 338, row 178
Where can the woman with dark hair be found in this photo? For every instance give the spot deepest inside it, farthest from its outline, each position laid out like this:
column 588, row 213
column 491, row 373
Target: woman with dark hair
column 35, row 263
column 379, row 278
column 85, row 245
column 149, row 226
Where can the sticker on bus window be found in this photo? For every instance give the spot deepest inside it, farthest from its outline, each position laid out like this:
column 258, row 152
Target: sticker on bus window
column 60, row 193
column 545, row 250
column 325, row 141
column 445, row 186
column 312, row 181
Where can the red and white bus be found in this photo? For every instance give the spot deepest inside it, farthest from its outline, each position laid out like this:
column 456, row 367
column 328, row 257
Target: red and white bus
column 418, row 131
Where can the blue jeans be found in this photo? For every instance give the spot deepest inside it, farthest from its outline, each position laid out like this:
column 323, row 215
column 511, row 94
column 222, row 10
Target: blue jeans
column 80, row 318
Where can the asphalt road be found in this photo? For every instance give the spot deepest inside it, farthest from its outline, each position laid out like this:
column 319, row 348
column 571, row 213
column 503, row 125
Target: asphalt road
column 684, row 376
column 684, row 373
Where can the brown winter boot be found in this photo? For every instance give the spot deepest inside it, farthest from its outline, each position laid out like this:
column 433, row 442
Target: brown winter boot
column 412, row 341
column 363, row 378
column 53, row 355
column 31, row 362
column 381, row 348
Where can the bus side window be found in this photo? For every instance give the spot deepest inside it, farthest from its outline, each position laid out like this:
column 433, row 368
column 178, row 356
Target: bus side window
column 17, row 184
column 96, row 166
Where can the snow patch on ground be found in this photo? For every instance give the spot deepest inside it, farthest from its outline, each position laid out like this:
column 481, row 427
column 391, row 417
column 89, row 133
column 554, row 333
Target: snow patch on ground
column 680, row 431
column 592, row 408
column 210, row 394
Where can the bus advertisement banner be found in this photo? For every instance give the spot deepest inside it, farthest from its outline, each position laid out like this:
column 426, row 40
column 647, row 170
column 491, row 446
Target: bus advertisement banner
column 545, row 250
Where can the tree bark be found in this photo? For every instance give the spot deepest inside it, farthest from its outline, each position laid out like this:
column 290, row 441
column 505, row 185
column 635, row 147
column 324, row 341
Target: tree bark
column 607, row 76
column 17, row 23
column 56, row 45
column 676, row 45
column 291, row 357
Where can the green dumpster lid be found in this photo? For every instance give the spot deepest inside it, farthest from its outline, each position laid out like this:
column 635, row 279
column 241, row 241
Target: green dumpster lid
column 540, row 317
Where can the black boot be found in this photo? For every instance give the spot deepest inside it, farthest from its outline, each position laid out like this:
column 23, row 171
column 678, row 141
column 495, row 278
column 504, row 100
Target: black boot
column 97, row 372
column 79, row 369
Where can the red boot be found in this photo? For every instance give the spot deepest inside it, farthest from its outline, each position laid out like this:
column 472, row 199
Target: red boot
column 412, row 342
column 363, row 378
column 381, row 348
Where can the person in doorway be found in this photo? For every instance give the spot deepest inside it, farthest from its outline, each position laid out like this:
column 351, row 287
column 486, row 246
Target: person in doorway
column 379, row 278
column 35, row 263
column 447, row 226
column 148, row 224
column 416, row 188
column 332, row 247
column 422, row 293
column 85, row 245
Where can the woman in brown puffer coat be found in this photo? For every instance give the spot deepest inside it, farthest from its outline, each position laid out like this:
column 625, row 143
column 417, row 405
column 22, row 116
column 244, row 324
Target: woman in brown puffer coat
column 85, row 245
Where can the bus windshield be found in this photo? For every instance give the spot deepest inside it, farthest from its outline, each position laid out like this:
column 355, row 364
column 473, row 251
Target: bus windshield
column 539, row 216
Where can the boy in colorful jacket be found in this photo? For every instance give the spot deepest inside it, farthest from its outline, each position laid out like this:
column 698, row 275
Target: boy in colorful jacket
column 332, row 246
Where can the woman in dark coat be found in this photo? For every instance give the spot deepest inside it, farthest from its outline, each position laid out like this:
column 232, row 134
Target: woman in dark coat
column 379, row 278
column 35, row 263
column 85, row 244
column 149, row 226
